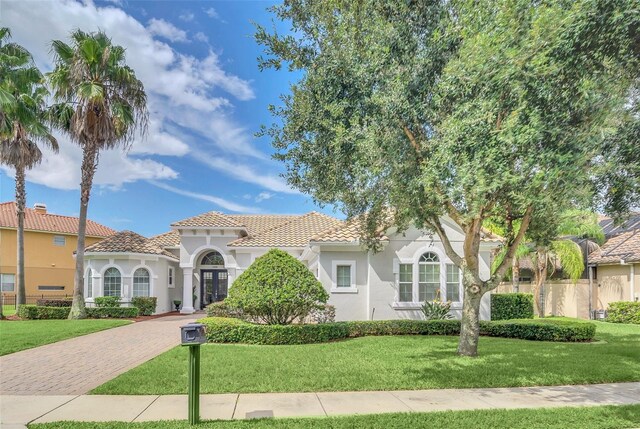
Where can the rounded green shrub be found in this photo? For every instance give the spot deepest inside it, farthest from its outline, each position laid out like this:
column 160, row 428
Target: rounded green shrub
column 276, row 289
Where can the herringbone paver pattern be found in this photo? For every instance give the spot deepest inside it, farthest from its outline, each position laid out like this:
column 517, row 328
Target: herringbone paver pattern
column 77, row 365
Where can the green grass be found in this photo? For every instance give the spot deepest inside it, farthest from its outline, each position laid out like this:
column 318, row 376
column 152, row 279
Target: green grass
column 8, row 310
column 609, row 417
column 25, row 334
column 390, row 363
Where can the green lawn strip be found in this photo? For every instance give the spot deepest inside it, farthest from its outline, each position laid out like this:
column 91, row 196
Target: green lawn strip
column 25, row 334
column 8, row 310
column 390, row 363
column 607, row 417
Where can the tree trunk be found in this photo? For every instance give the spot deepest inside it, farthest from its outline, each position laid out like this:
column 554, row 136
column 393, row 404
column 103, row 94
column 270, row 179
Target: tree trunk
column 470, row 324
column 89, row 163
column 21, row 296
column 515, row 275
column 540, row 277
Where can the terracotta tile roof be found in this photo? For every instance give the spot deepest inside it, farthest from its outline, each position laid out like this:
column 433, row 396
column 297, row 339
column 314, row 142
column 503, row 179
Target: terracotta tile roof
column 168, row 239
column 624, row 246
column 128, row 242
column 295, row 232
column 210, row 219
column 256, row 224
column 48, row 222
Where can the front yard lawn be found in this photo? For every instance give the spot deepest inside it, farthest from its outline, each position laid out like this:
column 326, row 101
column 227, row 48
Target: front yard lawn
column 25, row 334
column 610, row 417
column 390, row 363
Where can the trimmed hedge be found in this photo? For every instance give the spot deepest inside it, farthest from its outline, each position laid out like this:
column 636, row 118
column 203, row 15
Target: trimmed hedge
column 540, row 330
column 57, row 302
column 34, row 312
column 228, row 330
column 112, row 312
column 507, row 306
column 221, row 309
column 107, row 301
column 146, row 304
column 624, row 312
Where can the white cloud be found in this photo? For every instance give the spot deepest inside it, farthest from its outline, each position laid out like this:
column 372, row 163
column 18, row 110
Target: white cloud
column 189, row 98
column 262, row 196
column 165, row 29
column 244, row 172
column 225, row 204
column 201, row 37
column 187, row 16
column 212, row 13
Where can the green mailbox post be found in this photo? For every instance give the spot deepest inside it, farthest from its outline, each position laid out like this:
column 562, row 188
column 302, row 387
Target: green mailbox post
column 193, row 335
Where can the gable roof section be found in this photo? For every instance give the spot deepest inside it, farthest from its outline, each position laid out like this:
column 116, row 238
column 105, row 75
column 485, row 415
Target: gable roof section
column 256, row 224
column 47, row 222
column 208, row 220
column 624, row 246
column 168, row 239
column 128, row 242
column 295, row 232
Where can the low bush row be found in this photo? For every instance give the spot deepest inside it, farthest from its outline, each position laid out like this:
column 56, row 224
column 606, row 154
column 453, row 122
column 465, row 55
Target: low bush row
column 146, row 304
column 624, row 312
column 230, row 330
column 540, row 330
column 35, row 312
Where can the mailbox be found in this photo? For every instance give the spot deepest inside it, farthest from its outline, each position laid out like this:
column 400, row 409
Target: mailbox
column 193, row 334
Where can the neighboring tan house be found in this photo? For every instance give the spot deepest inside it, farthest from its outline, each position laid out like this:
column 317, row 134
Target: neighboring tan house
column 201, row 257
column 615, row 267
column 49, row 243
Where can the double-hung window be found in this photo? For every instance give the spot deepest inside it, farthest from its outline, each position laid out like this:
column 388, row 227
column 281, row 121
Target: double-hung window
column 8, row 282
column 405, row 283
column 453, row 283
column 343, row 276
column 429, row 277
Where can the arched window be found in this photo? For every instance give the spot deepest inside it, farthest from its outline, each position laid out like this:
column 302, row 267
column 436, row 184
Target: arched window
column 428, row 277
column 213, row 258
column 112, row 282
column 141, row 282
column 89, row 283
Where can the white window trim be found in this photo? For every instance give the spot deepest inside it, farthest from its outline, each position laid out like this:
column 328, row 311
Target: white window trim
column 415, row 304
column 64, row 240
column 122, row 277
column 14, row 283
column 334, row 277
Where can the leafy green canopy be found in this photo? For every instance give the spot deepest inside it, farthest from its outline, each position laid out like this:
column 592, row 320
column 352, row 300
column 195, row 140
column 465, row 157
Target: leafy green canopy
column 471, row 109
column 276, row 289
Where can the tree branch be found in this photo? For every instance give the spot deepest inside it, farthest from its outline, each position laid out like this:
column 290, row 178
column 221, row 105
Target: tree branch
column 448, row 248
column 413, row 141
column 511, row 249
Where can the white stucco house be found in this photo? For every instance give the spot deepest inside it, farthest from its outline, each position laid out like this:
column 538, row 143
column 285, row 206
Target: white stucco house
column 198, row 260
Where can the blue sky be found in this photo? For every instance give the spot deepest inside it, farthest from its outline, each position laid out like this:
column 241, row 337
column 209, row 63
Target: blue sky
column 207, row 98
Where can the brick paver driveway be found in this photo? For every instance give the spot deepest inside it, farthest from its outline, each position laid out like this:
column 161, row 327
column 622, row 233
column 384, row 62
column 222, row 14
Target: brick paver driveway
column 77, row 365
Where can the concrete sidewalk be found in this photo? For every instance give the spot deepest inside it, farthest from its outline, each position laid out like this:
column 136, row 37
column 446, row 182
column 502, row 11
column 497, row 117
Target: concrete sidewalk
column 17, row 411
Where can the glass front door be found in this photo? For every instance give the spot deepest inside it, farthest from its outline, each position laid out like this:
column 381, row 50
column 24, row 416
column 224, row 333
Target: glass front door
column 213, row 286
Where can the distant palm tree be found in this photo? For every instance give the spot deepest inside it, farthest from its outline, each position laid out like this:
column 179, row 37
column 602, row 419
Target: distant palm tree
column 22, row 125
column 100, row 104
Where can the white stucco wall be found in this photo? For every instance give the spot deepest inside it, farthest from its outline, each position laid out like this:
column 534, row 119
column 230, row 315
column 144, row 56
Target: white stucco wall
column 158, row 268
column 349, row 304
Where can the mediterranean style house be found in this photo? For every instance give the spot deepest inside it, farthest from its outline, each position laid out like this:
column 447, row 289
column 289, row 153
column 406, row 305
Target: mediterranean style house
column 198, row 260
column 615, row 267
column 50, row 241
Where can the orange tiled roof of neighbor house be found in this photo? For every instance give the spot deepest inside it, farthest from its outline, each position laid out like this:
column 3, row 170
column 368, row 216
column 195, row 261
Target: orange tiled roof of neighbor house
column 210, row 220
column 622, row 247
column 168, row 239
column 128, row 242
column 40, row 220
column 295, row 232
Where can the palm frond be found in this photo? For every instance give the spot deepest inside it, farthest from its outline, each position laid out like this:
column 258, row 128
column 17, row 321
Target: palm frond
column 570, row 256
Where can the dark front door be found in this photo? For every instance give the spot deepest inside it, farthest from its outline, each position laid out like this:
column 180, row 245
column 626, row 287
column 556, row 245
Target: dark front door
column 213, row 286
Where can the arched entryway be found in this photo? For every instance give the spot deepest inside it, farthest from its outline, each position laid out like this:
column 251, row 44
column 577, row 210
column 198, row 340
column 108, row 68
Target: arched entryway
column 214, row 279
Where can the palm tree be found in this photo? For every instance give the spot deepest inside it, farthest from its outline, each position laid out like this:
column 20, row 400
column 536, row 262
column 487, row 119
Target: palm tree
column 564, row 250
column 100, row 104
column 22, row 125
